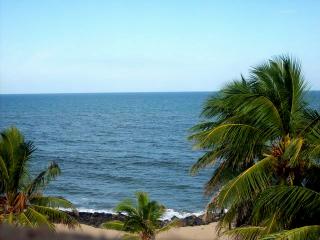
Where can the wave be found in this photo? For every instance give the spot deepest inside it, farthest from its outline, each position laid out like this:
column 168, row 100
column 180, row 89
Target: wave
column 170, row 213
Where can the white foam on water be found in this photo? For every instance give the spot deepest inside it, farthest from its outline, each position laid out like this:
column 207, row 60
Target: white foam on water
column 90, row 210
column 170, row 213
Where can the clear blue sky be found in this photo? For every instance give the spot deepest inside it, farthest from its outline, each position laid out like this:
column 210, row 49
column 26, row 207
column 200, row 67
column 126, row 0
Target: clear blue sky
column 129, row 46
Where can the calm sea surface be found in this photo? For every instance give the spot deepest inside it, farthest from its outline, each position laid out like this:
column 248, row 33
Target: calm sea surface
column 111, row 145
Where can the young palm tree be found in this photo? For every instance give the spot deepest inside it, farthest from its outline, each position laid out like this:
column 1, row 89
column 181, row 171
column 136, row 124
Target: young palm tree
column 21, row 199
column 143, row 218
column 264, row 143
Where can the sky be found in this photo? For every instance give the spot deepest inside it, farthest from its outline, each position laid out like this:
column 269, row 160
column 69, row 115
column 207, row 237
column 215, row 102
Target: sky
column 71, row 46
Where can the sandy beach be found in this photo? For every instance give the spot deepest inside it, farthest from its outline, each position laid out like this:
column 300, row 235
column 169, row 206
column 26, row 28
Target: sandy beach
column 203, row 232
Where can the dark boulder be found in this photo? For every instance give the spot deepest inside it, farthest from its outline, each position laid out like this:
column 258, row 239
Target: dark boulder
column 96, row 219
column 192, row 221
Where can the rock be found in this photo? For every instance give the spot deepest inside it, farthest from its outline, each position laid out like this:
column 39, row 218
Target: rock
column 192, row 221
column 96, row 219
column 174, row 218
column 212, row 216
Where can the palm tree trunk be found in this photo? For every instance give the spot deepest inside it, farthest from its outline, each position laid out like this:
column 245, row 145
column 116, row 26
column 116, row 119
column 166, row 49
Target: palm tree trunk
column 147, row 236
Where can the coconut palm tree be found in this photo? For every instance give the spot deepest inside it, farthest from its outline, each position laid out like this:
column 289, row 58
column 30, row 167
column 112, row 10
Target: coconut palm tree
column 142, row 218
column 263, row 141
column 21, row 198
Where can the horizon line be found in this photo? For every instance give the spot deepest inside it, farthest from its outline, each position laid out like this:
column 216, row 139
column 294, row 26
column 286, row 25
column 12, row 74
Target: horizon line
column 39, row 93
column 124, row 92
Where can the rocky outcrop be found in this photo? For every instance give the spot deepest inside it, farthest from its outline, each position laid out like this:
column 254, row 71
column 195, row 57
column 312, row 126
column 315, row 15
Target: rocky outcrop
column 96, row 219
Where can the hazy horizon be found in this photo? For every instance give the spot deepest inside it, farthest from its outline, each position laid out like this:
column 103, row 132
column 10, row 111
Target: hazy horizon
column 143, row 46
column 109, row 92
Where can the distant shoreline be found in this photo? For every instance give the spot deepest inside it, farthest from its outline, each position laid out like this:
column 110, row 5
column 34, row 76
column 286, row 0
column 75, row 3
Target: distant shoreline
column 95, row 219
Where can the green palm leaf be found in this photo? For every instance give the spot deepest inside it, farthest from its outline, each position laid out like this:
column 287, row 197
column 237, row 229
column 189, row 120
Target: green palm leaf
column 302, row 233
column 247, row 184
column 22, row 202
column 292, row 151
column 52, row 202
column 43, row 178
column 246, row 233
column 289, row 200
column 114, row 225
column 55, row 215
column 265, row 114
column 37, row 219
column 142, row 216
column 24, row 220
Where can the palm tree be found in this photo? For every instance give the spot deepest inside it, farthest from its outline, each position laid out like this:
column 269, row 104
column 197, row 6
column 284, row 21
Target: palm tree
column 21, row 198
column 142, row 217
column 263, row 141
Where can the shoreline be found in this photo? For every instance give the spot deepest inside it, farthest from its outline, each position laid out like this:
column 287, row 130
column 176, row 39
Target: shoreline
column 170, row 213
column 95, row 219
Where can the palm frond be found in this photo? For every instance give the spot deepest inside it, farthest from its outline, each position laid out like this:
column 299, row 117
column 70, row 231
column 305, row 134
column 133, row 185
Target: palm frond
column 114, row 225
column 228, row 217
column 208, row 159
column 141, row 217
column 267, row 115
column 307, row 232
column 23, row 220
column 288, row 200
column 37, row 219
column 225, row 145
column 127, row 206
column 292, row 151
column 247, row 184
column 222, row 174
column 52, row 202
column 43, row 178
column 142, row 201
column 3, row 170
column 55, row 215
column 246, row 232
column 15, row 153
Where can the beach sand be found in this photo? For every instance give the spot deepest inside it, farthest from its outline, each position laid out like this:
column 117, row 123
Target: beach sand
column 203, row 232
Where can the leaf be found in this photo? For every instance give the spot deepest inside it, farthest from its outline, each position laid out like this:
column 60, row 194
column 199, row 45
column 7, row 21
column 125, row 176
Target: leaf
column 23, row 220
column 37, row 219
column 246, row 232
column 3, row 170
column 302, row 233
column 208, row 159
column 142, row 216
column 115, row 225
column 52, row 202
column 288, row 200
column 43, row 178
column 292, row 151
column 247, row 184
column 55, row 215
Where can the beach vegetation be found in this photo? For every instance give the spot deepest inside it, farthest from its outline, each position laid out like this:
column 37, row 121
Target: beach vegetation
column 22, row 202
column 142, row 218
column 262, row 139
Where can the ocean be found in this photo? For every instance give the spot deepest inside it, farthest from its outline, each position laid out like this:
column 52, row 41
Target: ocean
column 110, row 145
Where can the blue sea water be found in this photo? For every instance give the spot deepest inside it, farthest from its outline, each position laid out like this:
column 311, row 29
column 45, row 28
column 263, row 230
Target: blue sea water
column 110, row 145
